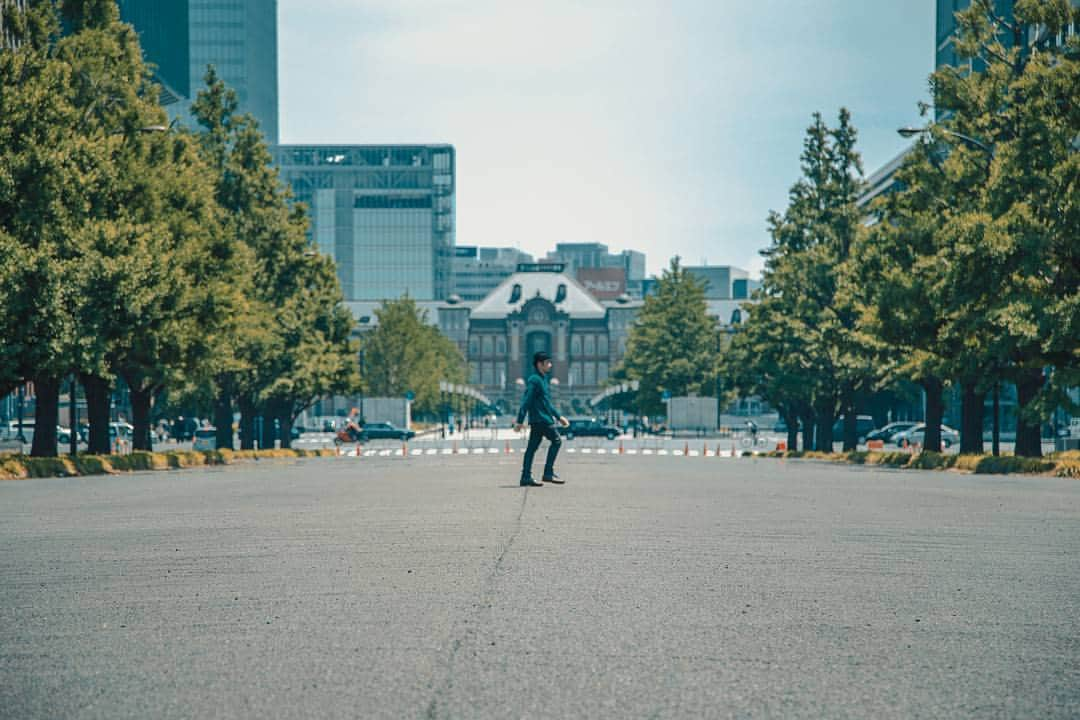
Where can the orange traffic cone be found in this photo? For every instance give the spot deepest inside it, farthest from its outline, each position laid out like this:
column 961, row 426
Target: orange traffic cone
column 686, row 450
column 359, row 450
column 404, row 449
column 507, row 447
column 620, row 447
column 782, row 445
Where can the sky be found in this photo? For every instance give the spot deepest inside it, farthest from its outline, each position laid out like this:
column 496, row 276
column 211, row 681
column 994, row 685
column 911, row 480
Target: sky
column 670, row 127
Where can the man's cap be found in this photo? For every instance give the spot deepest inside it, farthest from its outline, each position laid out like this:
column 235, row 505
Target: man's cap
column 540, row 357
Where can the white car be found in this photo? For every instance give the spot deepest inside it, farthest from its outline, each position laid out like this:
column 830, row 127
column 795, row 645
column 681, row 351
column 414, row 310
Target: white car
column 205, row 439
column 917, row 436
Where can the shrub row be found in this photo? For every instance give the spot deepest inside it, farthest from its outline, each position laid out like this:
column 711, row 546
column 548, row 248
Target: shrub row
column 1062, row 464
column 15, row 467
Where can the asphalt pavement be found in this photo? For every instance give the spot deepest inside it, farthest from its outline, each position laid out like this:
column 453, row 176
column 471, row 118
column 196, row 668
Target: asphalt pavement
column 435, row 587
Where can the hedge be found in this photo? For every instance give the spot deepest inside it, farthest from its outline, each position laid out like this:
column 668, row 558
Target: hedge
column 1065, row 464
column 16, row 467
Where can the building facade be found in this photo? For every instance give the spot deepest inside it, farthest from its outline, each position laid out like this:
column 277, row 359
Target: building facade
column 540, row 307
column 7, row 37
column 238, row 37
column 724, row 282
column 476, row 271
column 385, row 213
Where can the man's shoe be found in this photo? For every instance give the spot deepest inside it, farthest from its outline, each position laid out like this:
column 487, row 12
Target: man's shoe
column 554, row 478
column 529, row 482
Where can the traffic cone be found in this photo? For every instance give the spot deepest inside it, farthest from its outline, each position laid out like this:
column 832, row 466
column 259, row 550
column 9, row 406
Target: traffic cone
column 704, row 449
column 620, row 447
column 686, row 450
column 507, row 450
column 455, row 447
column 359, row 450
column 404, row 449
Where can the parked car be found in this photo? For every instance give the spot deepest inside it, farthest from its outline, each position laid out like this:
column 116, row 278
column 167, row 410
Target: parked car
column 917, row 435
column 183, row 428
column 385, row 431
column 887, row 432
column 205, row 439
column 121, row 429
column 589, row 427
column 864, row 425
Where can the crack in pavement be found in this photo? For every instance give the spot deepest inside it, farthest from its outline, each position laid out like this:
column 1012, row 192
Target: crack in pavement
column 432, row 710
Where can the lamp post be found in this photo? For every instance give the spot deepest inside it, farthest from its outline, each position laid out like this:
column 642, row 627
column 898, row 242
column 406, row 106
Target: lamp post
column 910, row 132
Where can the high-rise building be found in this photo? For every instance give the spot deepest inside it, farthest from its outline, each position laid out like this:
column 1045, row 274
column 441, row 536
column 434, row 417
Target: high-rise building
column 479, row 270
column 238, row 37
column 385, row 213
column 7, row 38
column 946, row 27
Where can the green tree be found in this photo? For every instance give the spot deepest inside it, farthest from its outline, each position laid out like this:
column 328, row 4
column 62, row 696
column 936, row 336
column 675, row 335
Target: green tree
column 406, row 353
column 804, row 282
column 290, row 344
column 1012, row 254
column 673, row 345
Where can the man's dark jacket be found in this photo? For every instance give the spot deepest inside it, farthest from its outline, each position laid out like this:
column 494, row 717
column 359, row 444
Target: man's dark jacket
column 537, row 402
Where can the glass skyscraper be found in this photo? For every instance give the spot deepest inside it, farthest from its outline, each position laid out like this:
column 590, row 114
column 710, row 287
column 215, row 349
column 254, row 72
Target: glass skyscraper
column 237, row 37
column 385, row 213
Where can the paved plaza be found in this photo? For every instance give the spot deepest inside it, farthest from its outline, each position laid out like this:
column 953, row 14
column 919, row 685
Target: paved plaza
column 433, row 587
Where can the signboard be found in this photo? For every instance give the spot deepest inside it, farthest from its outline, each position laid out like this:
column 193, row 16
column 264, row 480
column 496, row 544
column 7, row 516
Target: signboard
column 465, row 251
column 541, row 267
column 603, row 283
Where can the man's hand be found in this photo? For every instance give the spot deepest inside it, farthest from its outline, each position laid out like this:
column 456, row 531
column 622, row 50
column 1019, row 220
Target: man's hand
column 518, row 427
column 563, row 421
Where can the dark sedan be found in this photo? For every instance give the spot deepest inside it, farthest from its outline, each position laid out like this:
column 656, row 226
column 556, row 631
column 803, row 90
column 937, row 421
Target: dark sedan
column 385, row 431
column 589, row 428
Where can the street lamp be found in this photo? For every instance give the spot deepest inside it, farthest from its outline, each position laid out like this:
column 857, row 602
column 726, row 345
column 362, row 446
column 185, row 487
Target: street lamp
column 910, row 132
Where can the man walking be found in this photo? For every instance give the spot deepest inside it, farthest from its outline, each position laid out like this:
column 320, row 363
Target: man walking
column 542, row 419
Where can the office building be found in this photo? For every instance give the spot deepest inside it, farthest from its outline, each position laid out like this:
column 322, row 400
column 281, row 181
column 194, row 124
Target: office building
column 238, row 37
column 385, row 213
column 576, row 257
column 724, row 282
column 479, row 270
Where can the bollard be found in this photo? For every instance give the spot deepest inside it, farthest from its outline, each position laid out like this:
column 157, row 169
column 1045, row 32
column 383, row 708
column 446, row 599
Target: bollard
column 359, row 450
column 686, row 449
column 455, row 447
column 404, row 449
column 507, row 449
column 782, row 445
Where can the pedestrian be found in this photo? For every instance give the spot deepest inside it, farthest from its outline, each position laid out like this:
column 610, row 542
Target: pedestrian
column 543, row 417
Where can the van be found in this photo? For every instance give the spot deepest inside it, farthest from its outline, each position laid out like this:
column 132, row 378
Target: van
column 11, row 430
column 205, row 439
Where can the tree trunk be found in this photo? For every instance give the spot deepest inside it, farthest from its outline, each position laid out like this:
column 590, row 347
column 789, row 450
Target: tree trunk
column 935, row 409
column 808, row 424
column 223, row 416
column 247, row 424
column 825, row 414
column 140, row 418
column 97, row 414
column 850, row 427
column 46, row 415
column 285, row 424
column 995, row 435
column 268, row 436
column 1028, row 437
column 971, row 420
column 791, row 419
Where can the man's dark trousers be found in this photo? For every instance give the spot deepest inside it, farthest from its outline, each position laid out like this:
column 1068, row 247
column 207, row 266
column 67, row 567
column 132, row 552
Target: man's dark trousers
column 538, row 432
